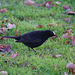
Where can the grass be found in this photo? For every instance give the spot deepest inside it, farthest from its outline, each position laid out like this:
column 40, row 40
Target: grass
column 39, row 63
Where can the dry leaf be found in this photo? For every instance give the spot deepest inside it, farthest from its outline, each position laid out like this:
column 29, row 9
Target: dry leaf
column 73, row 42
column 65, row 35
column 48, row 4
column 58, row 55
column 6, row 49
column 4, row 28
column 3, row 72
column 2, row 46
column 2, row 31
column 40, row 26
column 16, row 31
column 29, row 2
column 49, row 25
column 10, row 26
column 71, row 37
column 71, row 67
column 38, row 5
column 2, row 54
column 67, row 42
column 65, row 73
column 58, row 3
column 6, row 19
column 0, row 70
column 3, row 10
column 1, row 38
column 16, row 34
column 2, row 21
column 34, row 67
column 70, row 12
column 66, row 7
column 2, row 25
column 68, row 31
column 14, row 55
column 67, row 19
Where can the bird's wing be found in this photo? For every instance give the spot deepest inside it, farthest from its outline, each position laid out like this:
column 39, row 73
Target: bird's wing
column 29, row 39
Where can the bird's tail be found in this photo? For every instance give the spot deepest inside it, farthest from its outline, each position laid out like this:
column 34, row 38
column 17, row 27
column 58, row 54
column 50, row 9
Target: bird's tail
column 8, row 37
column 13, row 37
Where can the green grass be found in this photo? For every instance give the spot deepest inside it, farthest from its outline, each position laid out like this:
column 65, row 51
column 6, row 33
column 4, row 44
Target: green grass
column 33, row 16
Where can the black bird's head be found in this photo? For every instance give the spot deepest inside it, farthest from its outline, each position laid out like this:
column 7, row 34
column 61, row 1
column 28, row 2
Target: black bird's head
column 50, row 33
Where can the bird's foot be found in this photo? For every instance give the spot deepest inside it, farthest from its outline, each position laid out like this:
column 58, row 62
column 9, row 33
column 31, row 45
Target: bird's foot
column 34, row 50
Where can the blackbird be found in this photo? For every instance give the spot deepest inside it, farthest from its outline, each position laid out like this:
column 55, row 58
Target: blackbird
column 33, row 39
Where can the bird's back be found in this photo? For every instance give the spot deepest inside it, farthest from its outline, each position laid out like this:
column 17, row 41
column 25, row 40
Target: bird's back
column 34, row 39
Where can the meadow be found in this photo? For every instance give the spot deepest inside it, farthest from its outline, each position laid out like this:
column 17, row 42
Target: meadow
column 27, row 19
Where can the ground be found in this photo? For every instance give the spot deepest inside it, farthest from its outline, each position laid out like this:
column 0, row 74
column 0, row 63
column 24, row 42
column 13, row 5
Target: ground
column 27, row 19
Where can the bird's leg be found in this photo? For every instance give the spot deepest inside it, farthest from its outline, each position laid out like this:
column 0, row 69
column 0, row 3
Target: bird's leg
column 28, row 48
column 23, row 49
column 33, row 50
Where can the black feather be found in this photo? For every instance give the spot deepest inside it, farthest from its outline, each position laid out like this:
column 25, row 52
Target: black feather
column 33, row 39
